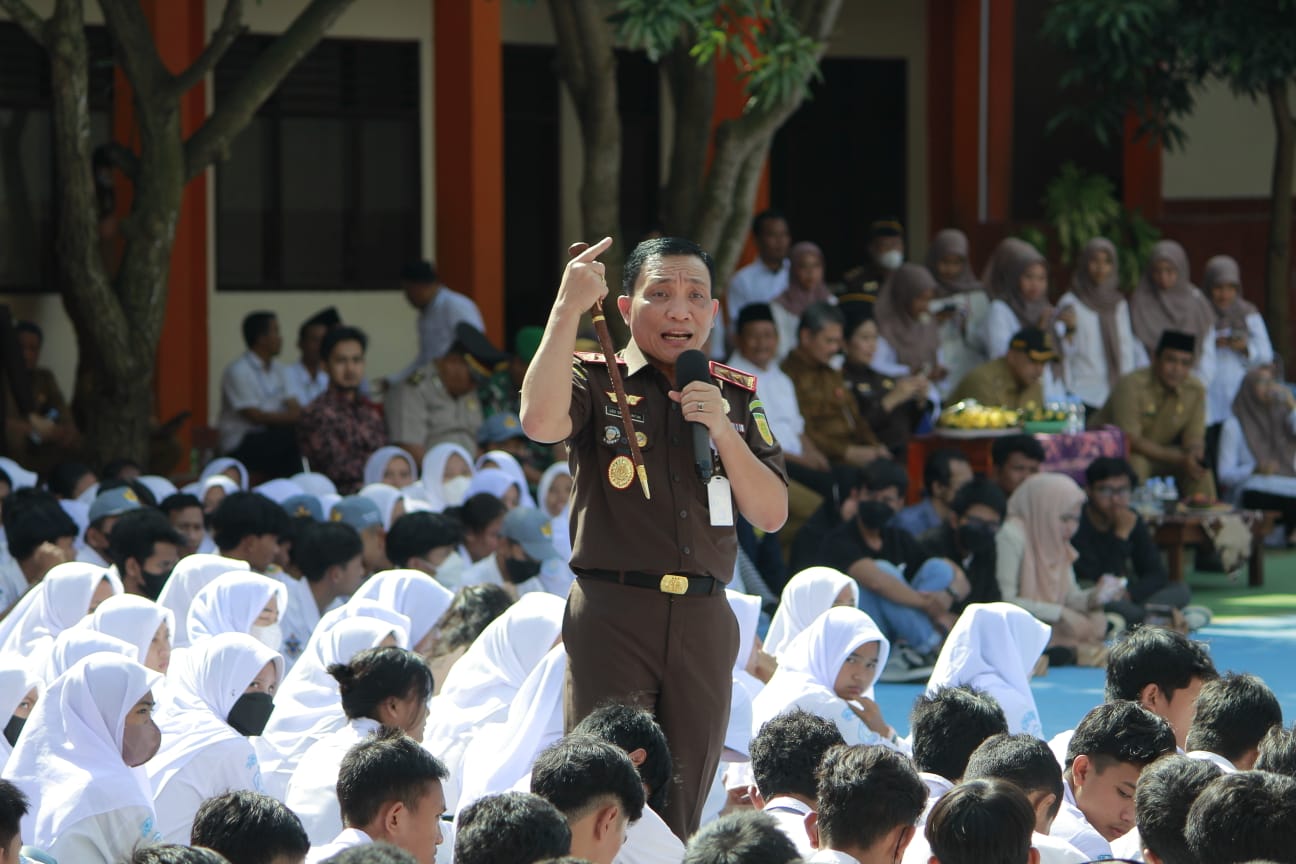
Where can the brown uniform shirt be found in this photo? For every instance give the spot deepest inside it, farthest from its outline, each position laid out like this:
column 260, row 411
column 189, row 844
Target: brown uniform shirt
column 1141, row 405
column 892, row 428
column 612, row 526
column 832, row 418
column 993, row 383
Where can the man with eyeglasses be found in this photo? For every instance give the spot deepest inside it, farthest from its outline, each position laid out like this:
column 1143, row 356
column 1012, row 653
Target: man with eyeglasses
column 1113, row 539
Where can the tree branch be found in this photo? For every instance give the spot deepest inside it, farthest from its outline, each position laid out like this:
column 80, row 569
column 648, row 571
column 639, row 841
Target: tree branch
column 213, row 138
column 123, row 159
column 231, row 26
column 28, row 20
column 136, row 51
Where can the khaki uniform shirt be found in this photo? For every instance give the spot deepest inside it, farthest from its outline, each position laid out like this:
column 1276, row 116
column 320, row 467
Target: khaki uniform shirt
column 993, row 383
column 420, row 411
column 832, row 418
column 612, row 526
column 1141, row 405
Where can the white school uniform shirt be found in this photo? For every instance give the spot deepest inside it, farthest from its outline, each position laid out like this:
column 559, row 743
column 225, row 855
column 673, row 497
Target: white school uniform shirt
column 1129, row 845
column 1084, row 358
column 1231, row 367
column 806, row 596
column 1214, row 758
column 349, row 838
column 650, row 841
column 299, row 621
column 247, row 383
column 312, row 791
column 1072, row 826
column 832, row 856
column 777, row 393
column 304, row 386
column 755, row 283
column 1236, row 464
column 960, row 350
column 790, row 815
column 87, row 555
column 484, row 572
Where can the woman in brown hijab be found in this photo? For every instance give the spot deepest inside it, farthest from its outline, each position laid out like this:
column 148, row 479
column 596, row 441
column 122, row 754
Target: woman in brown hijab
column 960, row 305
column 805, row 287
column 1257, row 447
column 1017, row 281
column 910, row 340
column 1166, row 300
column 1241, row 340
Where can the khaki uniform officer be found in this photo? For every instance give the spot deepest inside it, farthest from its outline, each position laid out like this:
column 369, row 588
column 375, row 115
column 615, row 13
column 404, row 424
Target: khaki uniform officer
column 647, row 620
column 1162, row 409
column 1013, row 380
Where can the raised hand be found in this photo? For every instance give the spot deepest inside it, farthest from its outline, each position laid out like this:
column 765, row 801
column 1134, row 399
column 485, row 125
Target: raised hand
column 583, row 283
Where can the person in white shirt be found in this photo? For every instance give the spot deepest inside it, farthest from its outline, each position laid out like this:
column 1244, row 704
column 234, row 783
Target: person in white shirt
column 519, row 563
column 512, row 826
column 389, row 789
column 1165, row 299
column 38, row 535
column 429, row 543
column 1241, row 339
column 595, row 785
column 108, row 506
column 1234, row 713
column 307, row 378
column 415, row 595
column 381, row 687
column 329, row 556
column 68, row 593
column 76, row 757
column 259, row 410
column 765, row 278
column 784, row 755
column 144, row 549
column 18, row 697
column 140, row 623
column 983, row 820
column 1016, row 281
column 741, row 836
column 946, row 727
column 805, row 597
column 869, row 801
column 1257, row 447
column 220, row 694
column 238, row 602
column 1166, row 791
column 250, row 827
column 440, row 311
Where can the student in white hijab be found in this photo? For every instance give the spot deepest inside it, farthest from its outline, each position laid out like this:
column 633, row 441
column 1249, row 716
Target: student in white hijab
column 139, row 621
column 391, row 465
column 314, row 483
column 497, row 482
column 191, row 574
column 220, row 693
column 19, row 477
column 279, row 489
column 231, row 468
column 75, row 762
column 553, row 494
column 380, row 687
column 806, row 596
column 447, row 471
column 17, row 698
column 387, row 498
column 830, row 670
column 238, row 603
column 309, row 705
column 414, row 594
column 213, row 490
column 68, row 593
column 993, row 648
column 508, row 463
column 77, row 643
column 160, row 486
column 746, row 608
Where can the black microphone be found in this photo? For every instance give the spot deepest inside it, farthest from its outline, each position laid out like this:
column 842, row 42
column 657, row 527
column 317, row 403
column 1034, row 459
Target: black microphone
column 693, row 365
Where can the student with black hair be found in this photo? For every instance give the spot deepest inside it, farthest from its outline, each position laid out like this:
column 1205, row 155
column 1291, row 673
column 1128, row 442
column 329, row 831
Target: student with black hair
column 837, row 508
column 259, row 410
column 785, row 754
column 482, row 516
column 741, row 838
column 982, row 822
column 40, row 536
column 68, row 480
column 1015, row 457
column 380, row 688
column 341, row 427
column 1163, row 796
column 516, row 827
column 13, row 807
column 185, row 512
column 870, row 798
column 388, row 788
column 1278, row 751
column 174, row 853
column 144, row 548
column 967, row 537
column 1111, row 747
column 250, row 828
column 1233, row 714
column 427, row 542
column 945, row 472
column 1160, row 669
column 373, row 853
column 595, row 786
column 329, row 556
column 947, row 726
column 246, row 526
column 1244, row 817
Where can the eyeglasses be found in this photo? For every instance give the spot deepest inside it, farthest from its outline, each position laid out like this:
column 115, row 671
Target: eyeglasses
column 1112, row 491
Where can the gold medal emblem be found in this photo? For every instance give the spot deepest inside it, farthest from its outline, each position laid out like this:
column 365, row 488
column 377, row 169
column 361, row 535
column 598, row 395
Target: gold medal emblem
column 641, row 439
column 621, row 472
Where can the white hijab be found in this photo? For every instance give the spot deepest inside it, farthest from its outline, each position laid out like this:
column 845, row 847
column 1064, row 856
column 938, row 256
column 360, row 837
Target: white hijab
column 161, row 487
column 279, row 490
column 482, row 684
column 218, row 466
column 77, row 643
column 16, row 681
column 746, row 609
column 314, row 483
column 377, row 463
column 19, row 477
column 231, row 604
column 69, row 758
column 191, row 574
column 993, row 647
column 133, row 619
column 53, row 604
column 808, row 667
column 806, row 596
column 412, row 593
column 492, row 481
column 202, row 688
column 434, row 463
column 506, row 462
column 385, row 497
column 560, row 523
column 79, row 513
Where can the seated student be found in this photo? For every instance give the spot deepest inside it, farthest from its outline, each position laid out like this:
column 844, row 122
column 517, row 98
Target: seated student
column 1165, row 791
column 392, row 466
column 338, row 430
column 741, row 837
column 329, row 556
column 429, row 543
column 250, row 828
column 945, row 472
column 145, row 549
column 518, row 564
column 1013, row 380
column 785, row 754
column 807, row 595
column 173, row 853
column 982, row 822
column 515, row 826
column 380, row 687
column 13, row 807
column 415, row 595
column 967, row 537
column 1111, row 747
column 1162, row 411
column 373, row 853
column 830, row 670
column 1027, row 762
column 107, row 508
column 137, row 622
column 904, row 591
column 1114, row 540
column 40, row 536
column 388, row 788
column 1244, row 817
column 869, row 801
column 67, row 594
column 365, row 517
column 909, row 338
column 1257, row 447
column 1233, row 714
column 1241, row 339
column 472, row 610
column 1277, row 751
column 893, row 407
column 836, row 508
column 259, row 409
column 247, row 526
column 1033, row 558
column 1014, row 458
column 595, row 786
column 946, row 726
column 237, row 603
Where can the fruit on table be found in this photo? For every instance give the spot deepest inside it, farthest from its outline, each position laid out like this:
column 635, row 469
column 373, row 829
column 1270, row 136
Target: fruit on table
column 970, row 414
column 1036, row 414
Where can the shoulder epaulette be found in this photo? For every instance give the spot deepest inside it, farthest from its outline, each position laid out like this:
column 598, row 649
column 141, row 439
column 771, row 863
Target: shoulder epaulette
column 596, row 357
column 733, row 376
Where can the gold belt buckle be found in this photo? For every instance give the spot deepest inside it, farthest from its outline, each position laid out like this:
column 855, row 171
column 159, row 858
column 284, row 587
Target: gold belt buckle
column 673, row 583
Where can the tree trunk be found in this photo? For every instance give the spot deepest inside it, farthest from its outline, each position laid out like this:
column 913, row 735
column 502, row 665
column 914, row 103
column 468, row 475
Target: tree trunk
column 1278, row 277
column 692, row 92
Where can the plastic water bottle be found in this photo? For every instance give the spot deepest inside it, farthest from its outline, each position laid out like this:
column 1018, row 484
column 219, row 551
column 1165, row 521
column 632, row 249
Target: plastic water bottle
column 1075, row 423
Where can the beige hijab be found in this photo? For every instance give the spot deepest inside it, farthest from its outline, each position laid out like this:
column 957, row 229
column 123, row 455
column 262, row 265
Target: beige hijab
column 1037, row 507
column 1104, row 299
column 1002, row 279
column 1264, row 424
column 914, row 340
column 1182, row 307
column 952, row 241
column 1220, row 270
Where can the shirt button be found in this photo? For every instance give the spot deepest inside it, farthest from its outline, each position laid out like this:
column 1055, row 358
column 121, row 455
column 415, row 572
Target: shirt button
column 683, row 514
column 687, row 551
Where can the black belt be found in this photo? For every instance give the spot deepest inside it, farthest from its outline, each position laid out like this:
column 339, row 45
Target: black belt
column 667, row 583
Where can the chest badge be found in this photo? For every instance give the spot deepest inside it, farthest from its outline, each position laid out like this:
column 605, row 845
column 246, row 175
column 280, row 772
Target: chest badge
column 620, row 472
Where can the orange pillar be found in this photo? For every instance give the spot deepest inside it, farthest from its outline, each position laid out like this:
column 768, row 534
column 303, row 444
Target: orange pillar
column 999, row 112
column 953, row 64
column 730, row 97
column 470, row 154
column 1141, row 158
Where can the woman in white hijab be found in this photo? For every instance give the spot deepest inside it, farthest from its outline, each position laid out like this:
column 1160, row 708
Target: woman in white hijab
column 993, row 648
column 75, row 762
column 221, row 691
column 746, row 608
column 393, row 466
column 447, row 471
column 17, row 699
column 388, row 499
column 497, row 482
column 142, row 623
column 238, row 603
column 191, row 574
column 161, row 487
column 806, row 596
column 553, row 494
column 279, row 489
column 228, row 467
column 308, row 705
column 77, row 643
column 414, row 594
column 508, row 463
column 213, row 490
column 67, row 594
column 830, row 670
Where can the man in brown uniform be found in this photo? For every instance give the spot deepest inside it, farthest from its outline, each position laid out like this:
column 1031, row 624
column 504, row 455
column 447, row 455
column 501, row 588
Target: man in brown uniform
column 1013, row 380
column 47, row 435
column 647, row 620
column 832, row 418
column 1162, row 409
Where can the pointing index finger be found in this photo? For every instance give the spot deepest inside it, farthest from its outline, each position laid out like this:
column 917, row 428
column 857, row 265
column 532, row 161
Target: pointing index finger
column 592, row 252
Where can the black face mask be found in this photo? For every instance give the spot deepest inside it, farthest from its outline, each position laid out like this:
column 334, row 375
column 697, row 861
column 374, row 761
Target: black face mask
column 251, row 713
column 517, row 572
column 153, row 583
column 13, row 728
column 874, row 515
column 976, row 537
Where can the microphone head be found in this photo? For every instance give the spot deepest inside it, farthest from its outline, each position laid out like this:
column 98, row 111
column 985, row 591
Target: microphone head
column 692, row 365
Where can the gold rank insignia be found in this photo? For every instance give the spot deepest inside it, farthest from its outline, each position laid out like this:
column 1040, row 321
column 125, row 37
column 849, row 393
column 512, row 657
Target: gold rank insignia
column 730, row 375
column 630, row 398
column 641, row 439
column 621, row 472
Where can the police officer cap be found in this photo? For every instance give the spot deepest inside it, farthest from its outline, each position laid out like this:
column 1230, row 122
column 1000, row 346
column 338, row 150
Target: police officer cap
column 471, row 342
column 1033, row 341
column 886, row 228
column 1177, row 340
